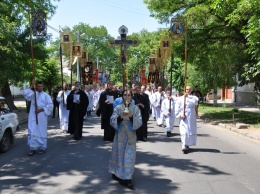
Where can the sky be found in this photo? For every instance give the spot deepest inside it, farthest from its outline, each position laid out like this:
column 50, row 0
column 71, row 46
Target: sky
column 109, row 13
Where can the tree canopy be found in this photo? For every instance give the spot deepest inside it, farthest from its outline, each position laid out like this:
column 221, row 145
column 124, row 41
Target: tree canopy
column 15, row 52
column 223, row 37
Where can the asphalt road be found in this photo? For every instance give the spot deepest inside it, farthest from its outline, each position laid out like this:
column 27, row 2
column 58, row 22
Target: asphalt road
column 222, row 162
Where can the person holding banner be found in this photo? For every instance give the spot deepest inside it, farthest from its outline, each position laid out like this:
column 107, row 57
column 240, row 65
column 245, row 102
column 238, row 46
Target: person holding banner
column 186, row 109
column 41, row 107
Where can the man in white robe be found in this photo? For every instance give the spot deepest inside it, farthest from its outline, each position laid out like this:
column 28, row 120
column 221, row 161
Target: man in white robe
column 152, row 104
column 168, row 112
column 38, row 118
column 90, row 100
column 63, row 112
column 188, row 119
column 149, row 92
column 158, row 97
column 95, row 98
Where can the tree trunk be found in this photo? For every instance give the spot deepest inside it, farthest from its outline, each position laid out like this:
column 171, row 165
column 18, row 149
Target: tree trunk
column 6, row 92
column 215, row 103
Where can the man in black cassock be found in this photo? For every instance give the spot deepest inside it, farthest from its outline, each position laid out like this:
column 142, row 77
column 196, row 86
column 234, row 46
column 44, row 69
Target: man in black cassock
column 77, row 103
column 105, row 110
column 146, row 110
column 143, row 104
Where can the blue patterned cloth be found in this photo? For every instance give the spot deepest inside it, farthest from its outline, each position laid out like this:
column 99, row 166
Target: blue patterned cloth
column 124, row 145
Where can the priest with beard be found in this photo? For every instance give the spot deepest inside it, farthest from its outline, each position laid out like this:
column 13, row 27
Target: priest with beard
column 105, row 110
column 77, row 103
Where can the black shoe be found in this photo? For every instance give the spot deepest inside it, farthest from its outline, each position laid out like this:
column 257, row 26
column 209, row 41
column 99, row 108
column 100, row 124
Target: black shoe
column 160, row 125
column 115, row 177
column 41, row 151
column 169, row 134
column 128, row 183
column 185, row 151
column 144, row 139
column 31, row 153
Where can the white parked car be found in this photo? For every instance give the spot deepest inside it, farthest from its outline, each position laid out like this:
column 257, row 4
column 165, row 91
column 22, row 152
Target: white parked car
column 9, row 124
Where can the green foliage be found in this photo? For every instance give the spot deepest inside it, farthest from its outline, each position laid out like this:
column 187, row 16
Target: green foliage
column 95, row 41
column 223, row 37
column 223, row 114
column 139, row 55
column 15, row 52
column 177, row 74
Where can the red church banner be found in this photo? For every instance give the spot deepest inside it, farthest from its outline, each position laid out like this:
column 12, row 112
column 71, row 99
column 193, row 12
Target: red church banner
column 95, row 75
column 143, row 78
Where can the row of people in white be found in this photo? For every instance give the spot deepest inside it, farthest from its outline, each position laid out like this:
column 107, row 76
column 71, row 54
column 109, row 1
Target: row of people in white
column 185, row 108
column 93, row 97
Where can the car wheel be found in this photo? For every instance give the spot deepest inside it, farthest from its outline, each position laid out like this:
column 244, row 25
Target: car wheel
column 5, row 142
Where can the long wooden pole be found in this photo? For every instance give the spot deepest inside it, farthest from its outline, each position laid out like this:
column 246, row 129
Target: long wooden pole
column 172, row 64
column 185, row 65
column 61, row 71
column 71, row 70
column 33, row 66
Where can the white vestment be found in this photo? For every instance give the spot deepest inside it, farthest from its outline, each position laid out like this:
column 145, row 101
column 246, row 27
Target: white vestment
column 91, row 103
column 169, row 118
column 63, row 112
column 152, row 105
column 37, row 133
column 96, row 98
column 149, row 93
column 90, row 100
column 157, row 100
column 188, row 126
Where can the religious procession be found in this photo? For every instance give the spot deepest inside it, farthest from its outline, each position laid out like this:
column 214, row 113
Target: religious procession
column 131, row 86
column 124, row 111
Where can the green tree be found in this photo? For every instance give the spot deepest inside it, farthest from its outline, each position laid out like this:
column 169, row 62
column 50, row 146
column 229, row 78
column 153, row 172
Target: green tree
column 95, row 41
column 222, row 37
column 15, row 52
column 139, row 55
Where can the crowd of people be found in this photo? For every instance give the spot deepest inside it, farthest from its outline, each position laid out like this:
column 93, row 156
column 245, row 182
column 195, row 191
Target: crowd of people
column 124, row 117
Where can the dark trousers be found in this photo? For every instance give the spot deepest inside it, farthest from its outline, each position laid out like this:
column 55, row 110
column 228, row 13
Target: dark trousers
column 142, row 131
column 109, row 131
column 55, row 106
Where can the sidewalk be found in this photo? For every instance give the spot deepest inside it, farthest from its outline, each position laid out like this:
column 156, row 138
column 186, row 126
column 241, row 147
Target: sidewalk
column 252, row 133
column 240, row 107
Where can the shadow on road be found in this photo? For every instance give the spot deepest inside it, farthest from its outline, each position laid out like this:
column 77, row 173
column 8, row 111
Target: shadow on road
column 82, row 166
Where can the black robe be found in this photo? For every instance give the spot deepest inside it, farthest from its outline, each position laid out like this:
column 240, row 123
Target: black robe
column 77, row 113
column 143, row 99
column 106, row 111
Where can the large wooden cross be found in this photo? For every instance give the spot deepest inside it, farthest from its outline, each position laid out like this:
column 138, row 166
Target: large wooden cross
column 123, row 43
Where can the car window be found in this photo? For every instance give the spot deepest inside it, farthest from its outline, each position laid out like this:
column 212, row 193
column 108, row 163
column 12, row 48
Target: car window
column 4, row 109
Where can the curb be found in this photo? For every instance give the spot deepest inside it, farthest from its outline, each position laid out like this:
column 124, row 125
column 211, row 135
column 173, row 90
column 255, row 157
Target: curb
column 230, row 128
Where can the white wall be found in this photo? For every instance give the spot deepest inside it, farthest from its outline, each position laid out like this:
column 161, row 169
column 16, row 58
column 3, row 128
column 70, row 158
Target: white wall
column 16, row 91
